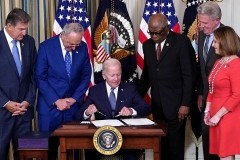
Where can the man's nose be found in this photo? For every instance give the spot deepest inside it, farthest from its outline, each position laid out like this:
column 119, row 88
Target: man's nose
column 73, row 47
column 24, row 32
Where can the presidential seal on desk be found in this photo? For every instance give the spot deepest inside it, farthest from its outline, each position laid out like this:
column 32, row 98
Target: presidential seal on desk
column 107, row 140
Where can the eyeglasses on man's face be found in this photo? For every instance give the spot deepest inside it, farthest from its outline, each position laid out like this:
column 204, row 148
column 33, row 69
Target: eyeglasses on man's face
column 157, row 33
column 71, row 44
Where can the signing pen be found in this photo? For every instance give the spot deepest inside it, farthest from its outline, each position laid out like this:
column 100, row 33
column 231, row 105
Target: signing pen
column 118, row 115
column 101, row 113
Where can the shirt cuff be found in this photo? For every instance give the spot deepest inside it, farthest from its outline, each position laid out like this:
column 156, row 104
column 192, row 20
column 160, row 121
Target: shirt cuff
column 134, row 112
column 6, row 104
column 85, row 116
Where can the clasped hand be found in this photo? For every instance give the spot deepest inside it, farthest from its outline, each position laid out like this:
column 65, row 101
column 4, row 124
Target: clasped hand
column 63, row 104
column 17, row 108
column 211, row 121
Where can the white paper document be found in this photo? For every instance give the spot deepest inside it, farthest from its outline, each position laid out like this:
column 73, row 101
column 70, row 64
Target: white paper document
column 138, row 121
column 110, row 122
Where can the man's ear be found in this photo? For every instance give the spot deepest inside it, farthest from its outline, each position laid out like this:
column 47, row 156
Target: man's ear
column 103, row 76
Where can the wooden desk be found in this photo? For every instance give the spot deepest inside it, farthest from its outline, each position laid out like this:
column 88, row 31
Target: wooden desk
column 81, row 137
column 33, row 153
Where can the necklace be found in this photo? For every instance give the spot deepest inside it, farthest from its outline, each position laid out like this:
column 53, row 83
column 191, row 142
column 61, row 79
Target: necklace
column 222, row 61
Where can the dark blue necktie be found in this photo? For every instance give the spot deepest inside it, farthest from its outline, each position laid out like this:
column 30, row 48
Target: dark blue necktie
column 68, row 63
column 16, row 57
column 112, row 99
column 205, row 48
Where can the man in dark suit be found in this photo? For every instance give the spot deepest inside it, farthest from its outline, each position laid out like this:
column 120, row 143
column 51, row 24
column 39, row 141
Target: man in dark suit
column 63, row 74
column 209, row 14
column 128, row 101
column 17, row 85
column 169, row 69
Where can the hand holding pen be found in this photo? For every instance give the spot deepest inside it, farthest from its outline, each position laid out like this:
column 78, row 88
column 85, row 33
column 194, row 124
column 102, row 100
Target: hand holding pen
column 92, row 109
column 125, row 112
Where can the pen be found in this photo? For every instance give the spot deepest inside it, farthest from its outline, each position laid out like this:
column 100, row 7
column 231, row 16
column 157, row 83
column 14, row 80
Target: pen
column 101, row 113
column 118, row 115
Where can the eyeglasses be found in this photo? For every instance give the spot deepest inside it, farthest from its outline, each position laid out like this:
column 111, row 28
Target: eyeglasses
column 157, row 33
column 71, row 44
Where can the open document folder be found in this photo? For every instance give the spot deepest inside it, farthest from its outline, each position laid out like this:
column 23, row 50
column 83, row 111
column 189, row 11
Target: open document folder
column 123, row 122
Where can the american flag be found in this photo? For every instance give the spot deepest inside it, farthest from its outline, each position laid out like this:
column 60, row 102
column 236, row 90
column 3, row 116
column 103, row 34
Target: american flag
column 74, row 11
column 165, row 7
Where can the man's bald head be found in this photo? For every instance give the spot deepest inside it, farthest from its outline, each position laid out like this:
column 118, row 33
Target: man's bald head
column 158, row 19
column 158, row 27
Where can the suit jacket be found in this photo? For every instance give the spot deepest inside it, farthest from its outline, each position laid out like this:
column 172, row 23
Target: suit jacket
column 127, row 96
column 171, row 78
column 12, row 86
column 52, row 79
column 204, row 68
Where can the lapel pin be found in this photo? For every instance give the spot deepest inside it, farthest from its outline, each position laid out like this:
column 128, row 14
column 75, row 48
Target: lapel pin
column 121, row 89
column 167, row 44
column 77, row 52
column 22, row 44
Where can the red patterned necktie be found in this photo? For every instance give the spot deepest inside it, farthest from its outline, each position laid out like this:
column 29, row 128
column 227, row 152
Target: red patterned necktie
column 158, row 51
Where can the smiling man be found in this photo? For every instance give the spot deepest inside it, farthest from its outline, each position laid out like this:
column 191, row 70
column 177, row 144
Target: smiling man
column 17, row 85
column 209, row 14
column 169, row 69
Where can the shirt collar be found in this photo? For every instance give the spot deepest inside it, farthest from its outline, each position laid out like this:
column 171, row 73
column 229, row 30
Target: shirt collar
column 8, row 37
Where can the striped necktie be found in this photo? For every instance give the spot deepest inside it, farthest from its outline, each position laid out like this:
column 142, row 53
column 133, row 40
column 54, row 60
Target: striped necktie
column 205, row 48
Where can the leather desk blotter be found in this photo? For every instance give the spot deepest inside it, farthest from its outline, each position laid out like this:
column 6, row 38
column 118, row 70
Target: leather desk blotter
column 34, row 140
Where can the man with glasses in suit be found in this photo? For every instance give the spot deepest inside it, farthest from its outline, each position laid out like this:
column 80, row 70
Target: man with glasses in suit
column 169, row 69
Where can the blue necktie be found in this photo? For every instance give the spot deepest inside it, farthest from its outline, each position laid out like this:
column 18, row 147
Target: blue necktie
column 16, row 56
column 68, row 63
column 205, row 48
column 112, row 99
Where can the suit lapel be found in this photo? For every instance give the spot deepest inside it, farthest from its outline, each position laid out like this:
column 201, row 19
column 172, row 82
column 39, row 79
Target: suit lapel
column 24, row 54
column 7, row 52
column 201, row 43
column 210, row 52
column 74, row 62
column 119, row 97
column 105, row 97
column 152, row 51
column 58, row 55
column 166, row 46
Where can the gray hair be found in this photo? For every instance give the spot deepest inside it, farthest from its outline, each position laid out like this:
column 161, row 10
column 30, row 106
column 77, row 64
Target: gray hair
column 73, row 27
column 211, row 9
column 110, row 62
